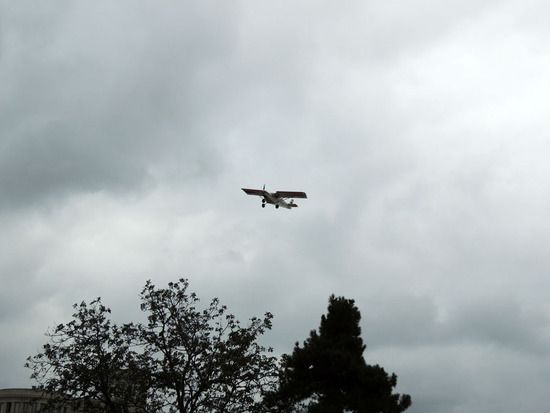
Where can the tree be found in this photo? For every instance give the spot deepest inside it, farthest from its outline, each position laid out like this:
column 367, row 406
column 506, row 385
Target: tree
column 203, row 361
column 329, row 374
column 89, row 364
column 182, row 360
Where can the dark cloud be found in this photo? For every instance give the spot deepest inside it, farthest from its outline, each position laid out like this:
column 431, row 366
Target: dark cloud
column 419, row 134
column 93, row 110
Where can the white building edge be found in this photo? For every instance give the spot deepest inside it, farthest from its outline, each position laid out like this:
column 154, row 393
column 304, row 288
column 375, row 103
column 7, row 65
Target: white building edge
column 19, row 400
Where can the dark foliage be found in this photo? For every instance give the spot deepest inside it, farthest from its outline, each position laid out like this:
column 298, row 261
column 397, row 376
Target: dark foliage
column 183, row 360
column 203, row 361
column 89, row 364
column 329, row 374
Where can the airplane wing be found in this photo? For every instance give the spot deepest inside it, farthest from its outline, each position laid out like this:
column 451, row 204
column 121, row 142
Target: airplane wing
column 258, row 192
column 290, row 194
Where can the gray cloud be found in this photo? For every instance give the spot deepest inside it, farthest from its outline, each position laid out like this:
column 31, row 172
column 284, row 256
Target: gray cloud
column 97, row 109
column 419, row 134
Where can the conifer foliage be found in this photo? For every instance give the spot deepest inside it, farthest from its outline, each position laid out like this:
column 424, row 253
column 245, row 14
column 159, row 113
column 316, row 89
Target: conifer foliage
column 329, row 374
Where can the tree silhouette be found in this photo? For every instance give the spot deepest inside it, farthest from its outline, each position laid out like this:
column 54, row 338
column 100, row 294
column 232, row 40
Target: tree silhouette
column 182, row 360
column 203, row 361
column 89, row 364
column 329, row 373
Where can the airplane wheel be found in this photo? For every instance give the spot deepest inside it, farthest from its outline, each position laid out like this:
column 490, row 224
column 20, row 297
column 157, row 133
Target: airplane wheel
column 263, row 205
column 277, row 206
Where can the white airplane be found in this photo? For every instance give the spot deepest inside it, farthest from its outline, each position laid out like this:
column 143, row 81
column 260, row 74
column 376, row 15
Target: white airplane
column 276, row 198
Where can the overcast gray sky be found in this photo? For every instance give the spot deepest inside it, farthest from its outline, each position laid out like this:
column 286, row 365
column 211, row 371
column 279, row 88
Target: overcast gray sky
column 418, row 129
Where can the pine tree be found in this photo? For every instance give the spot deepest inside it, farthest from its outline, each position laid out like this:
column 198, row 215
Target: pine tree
column 329, row 374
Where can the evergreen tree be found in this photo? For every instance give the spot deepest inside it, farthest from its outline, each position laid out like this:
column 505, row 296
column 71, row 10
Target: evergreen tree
column 329, row 374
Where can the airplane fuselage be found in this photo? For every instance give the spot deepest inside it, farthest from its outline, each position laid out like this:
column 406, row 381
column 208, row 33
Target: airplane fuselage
column 278, row 202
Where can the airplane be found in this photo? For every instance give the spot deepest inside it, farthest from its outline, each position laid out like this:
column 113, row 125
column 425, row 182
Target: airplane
column 276, row 198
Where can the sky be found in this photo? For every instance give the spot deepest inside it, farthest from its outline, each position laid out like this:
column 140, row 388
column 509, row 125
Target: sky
column 419, row 131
